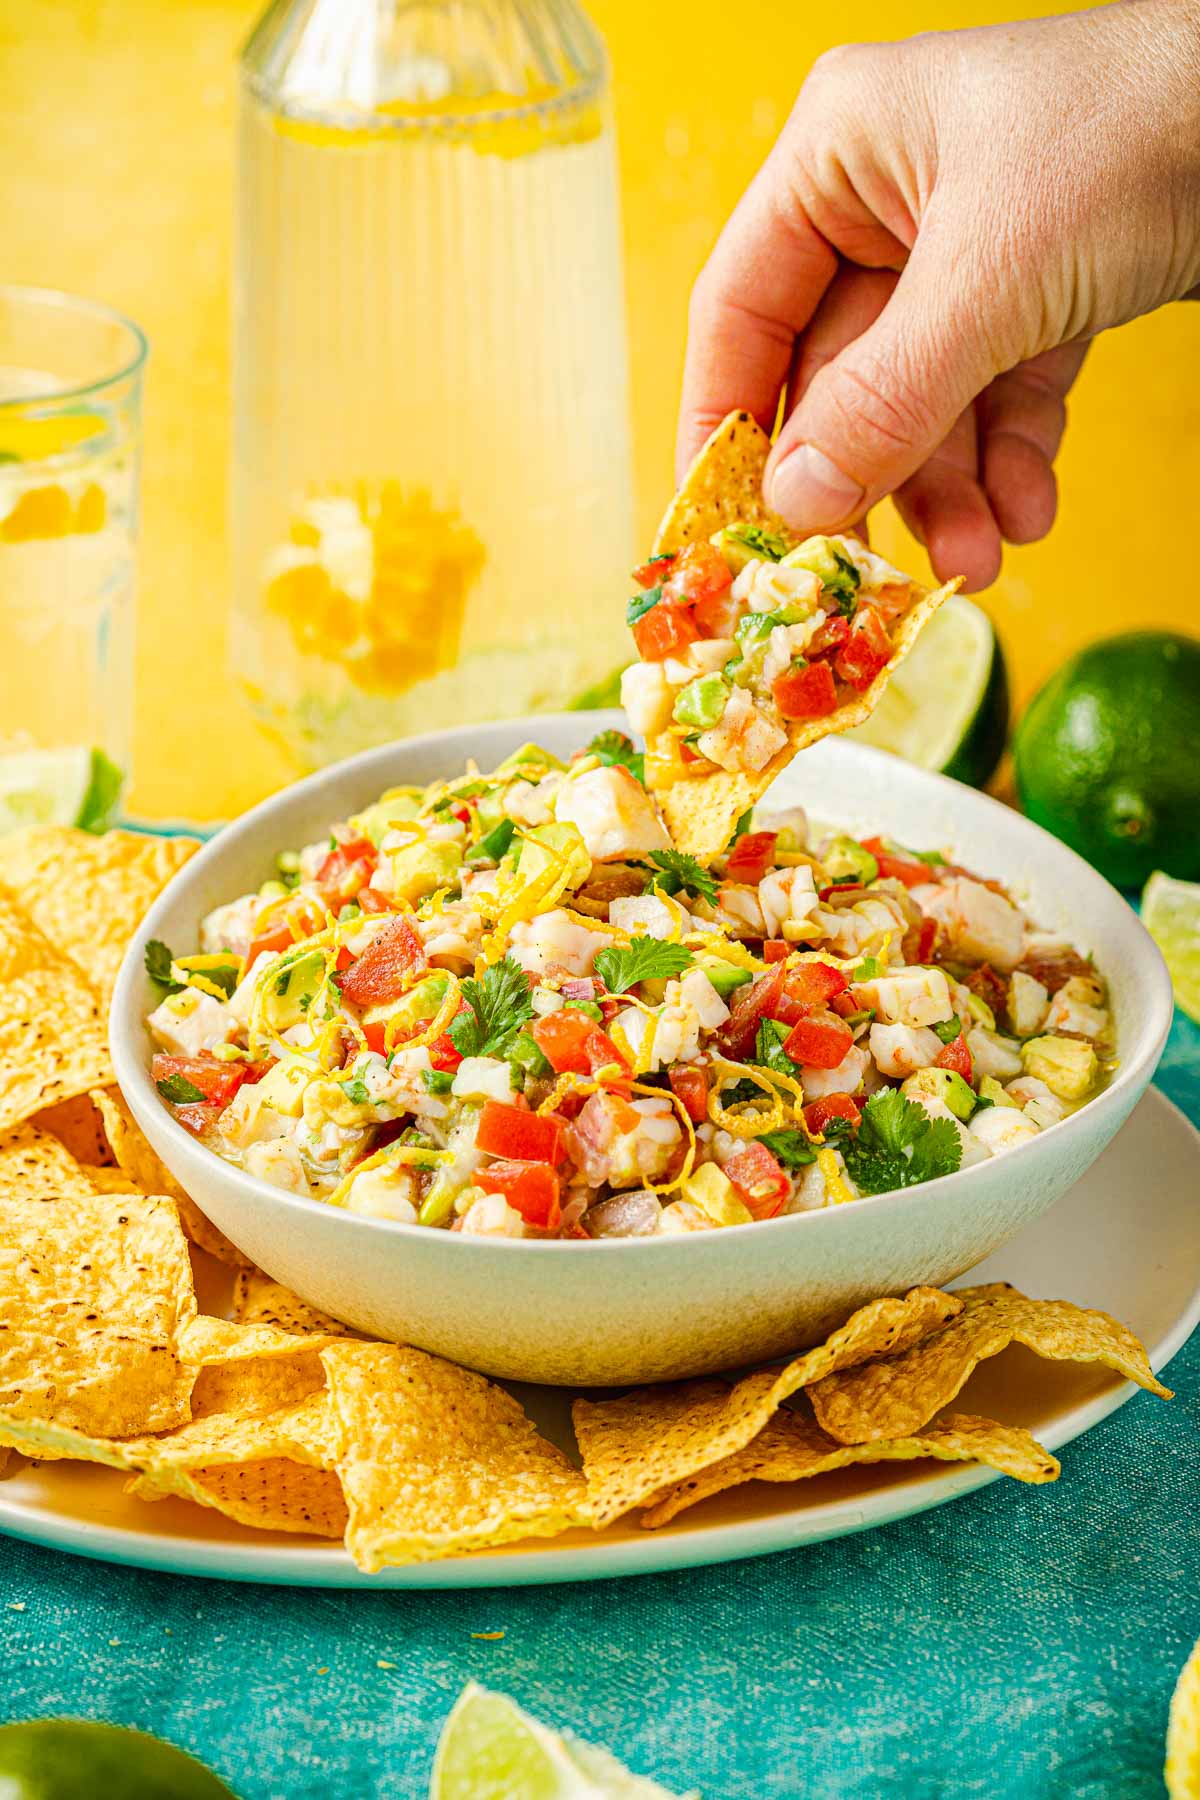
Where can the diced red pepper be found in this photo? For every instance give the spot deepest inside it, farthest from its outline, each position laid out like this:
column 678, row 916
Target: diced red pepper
column 664, row 631
column 531, row 1188
column 444, row 1055
column 776, row 949
column 867, row 650
column 754, row 1001
column 375, row 1032
column 372, row 901
column 830, row 635
column 699, row 574
column 517, row 1134
column 269, row 943
column 819, row 1041
column 387, row 966
column 688, row 755
column 217, row 1081
column 651, row 574
column 805, row 693
column 574, row 1045
column 833, row 1106
column 689, row 1085
column 811, row 984
column 955, row 1055
column 345, row 957
column 762, row 1183
column 919, row 942
column 908, row 869
column 751, row 857
column 347, row 868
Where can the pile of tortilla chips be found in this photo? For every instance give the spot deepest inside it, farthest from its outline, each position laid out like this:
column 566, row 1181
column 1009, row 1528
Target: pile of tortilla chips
column 282, row 1418
column 724, row 486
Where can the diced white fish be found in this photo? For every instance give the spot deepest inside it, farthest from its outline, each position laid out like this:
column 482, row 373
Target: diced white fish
column 613, row 814
column 191, row 1021
column 982, row 927
column 909, row 996
column 554, row 938
column 647, row 697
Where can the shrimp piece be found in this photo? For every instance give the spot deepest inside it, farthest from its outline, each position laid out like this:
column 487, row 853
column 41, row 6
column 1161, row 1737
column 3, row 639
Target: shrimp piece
column 980, row 925
column 743, row 738
column 903, row 1049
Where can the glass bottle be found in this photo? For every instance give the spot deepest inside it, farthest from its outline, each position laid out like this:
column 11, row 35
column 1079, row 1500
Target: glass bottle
column 431, row 503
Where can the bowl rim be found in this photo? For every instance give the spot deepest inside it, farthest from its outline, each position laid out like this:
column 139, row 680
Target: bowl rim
column 126, row 1022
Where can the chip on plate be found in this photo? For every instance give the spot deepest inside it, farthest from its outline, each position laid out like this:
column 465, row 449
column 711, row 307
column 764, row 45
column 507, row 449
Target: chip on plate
column 136, row 1158
column 655, row 1438
column 436, row 1460
column 35, row 1165
column 792, row 1448
column 897, row 1396
column 78, row 1125
column 257, row 1300
column 724, row 487
column 88, row 893
column 53, row 1044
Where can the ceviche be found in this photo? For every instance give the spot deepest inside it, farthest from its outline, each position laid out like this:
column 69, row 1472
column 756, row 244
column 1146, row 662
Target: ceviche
column 506, row 1004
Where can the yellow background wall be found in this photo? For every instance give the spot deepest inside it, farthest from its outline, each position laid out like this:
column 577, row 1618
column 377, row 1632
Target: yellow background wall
column 116, row 173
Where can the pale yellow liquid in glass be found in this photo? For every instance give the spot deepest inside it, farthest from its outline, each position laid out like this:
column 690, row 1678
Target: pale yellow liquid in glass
column 431, row 483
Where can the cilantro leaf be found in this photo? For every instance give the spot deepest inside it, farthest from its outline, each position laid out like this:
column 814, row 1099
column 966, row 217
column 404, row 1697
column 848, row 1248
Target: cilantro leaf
column 764, row 543
column 641, row 604
column 642, row 959
column 500, row 1004
column 948, row 1029
column 614, row 747
column 897, row 1145
column 845, row 587
column 158, row 960
column 768, row 1047
column 682, row 871
column 791, row 1148
column 179, row 1091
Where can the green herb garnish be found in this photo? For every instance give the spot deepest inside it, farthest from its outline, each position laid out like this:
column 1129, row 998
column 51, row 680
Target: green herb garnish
column 500, row 1004
column 642, row 959
column 678, row 870
column 179, row 1091
column 640, row 604
column 613, row 747
column 897, row 1145
column 792, row 1148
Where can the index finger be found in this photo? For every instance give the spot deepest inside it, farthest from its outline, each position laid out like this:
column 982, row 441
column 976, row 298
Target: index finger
column 756, row 293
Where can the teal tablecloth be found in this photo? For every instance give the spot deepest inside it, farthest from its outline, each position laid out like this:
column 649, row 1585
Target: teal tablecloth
column 1017, row 1645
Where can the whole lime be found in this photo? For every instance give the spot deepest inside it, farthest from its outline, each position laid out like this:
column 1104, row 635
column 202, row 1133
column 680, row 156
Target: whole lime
column 1108, row 756
column 62, row 1759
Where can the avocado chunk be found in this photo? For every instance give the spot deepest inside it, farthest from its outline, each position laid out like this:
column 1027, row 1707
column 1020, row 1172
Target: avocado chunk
column 845, row 857
column 413, row 1009
column 944, row 1085
column 1068, row 1066
column 821, row 556
column 416, row 870
column 725, row 976
column 529, row 754
column 291, row 988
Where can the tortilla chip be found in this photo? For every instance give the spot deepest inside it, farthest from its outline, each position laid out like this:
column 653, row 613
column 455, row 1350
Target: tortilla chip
column 792, row 1448
column 656, row 1438
column 88, row 893
column 52, row 1039
column 95, row 1293
column 436, row 1461
column 272, row 1494
column 147, row 1171
column 257, row 1300
column 896, row 1397
column 722, row 487
column 36, row 1166
column 77, row 1124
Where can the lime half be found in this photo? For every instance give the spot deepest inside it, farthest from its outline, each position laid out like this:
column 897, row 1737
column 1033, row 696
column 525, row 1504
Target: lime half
column 1182, row 1772
column 491, row 1750
column 946, row 707
column 1171, row 914
column 58, row 787
column 60, row 1759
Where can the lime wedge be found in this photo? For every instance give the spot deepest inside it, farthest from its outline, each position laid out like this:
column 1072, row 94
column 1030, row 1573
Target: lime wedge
column 1182, row 1773
column 491, row 1750
column 58, row 787
column 946, row 707
column 1171, row 914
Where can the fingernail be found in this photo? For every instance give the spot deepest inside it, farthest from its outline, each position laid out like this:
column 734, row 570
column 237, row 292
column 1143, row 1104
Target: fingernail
column 810, row 491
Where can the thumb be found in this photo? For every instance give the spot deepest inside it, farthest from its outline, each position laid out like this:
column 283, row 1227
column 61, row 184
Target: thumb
column 877, row 411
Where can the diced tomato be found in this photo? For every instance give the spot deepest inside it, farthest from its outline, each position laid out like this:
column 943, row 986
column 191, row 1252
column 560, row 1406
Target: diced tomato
column 372, row 901
column 819, row 1041
column 650, row 574
column 531, row 1188
column 867, row 650
column 688, row 755
column 517, row 1134
column 269, row 943
column 197, row 1119
column 302, row 916
column 718, row 617
column 574, row 1045
column 908, row 869
column 919, row 942
column 689, row 1085
column 845, row 1005
column 833, row 1106
column 776, row 949
column 829, row 636
column 754, row 1001
column 443, row 1054
column 375, row 1032
column 752, row 855
column 805, row 693
column 955, row 1055
column 700, row 574
column 217, row 1081
column 761, row 1181
column 346, row 869
column 387, row 966
column 345, row 957
column 810, row 984
column 664, row 631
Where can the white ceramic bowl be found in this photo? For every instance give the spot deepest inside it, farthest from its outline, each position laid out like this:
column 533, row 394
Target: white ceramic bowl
column 617, row 1312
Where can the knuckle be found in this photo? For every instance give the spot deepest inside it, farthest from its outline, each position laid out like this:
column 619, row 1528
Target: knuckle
column 883, row 408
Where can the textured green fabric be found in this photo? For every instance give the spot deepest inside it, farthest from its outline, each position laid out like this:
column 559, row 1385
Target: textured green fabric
column 1017, row 1645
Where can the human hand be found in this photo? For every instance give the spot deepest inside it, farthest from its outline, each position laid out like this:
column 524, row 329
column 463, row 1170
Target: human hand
column 941, row 227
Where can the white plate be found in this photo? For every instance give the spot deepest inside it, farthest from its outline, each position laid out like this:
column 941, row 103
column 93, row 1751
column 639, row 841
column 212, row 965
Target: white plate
column 1118, row 1240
